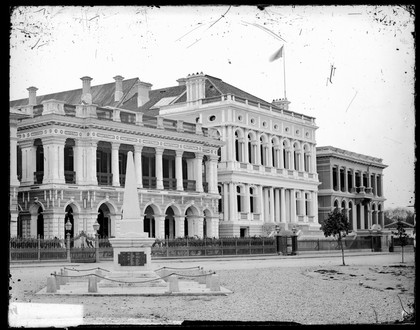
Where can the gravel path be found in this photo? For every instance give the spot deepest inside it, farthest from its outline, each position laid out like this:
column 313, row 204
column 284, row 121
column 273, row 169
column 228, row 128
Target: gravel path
column 294, row 289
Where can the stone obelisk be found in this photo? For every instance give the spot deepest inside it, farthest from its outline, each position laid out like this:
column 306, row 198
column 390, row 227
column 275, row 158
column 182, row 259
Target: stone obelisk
column 131, row 245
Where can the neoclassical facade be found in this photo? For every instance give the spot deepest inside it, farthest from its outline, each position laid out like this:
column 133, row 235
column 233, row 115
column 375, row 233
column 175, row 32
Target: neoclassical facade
column 68, row 162
column 267, row 167
column 351, row 182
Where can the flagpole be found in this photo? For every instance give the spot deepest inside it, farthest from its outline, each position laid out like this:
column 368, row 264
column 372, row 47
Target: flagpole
column 284, row 71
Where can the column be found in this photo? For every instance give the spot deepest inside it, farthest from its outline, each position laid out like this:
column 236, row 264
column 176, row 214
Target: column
column 301, row 161
column 269, row 150
column 60, row 149
column 246, row 153
column 225, row 202
column 178, row 170
column 260, row 202
column 160, row 226
column 315, row 205
column 211, row 165
column 332, row 177
column 199, row 227
column 199, row 172
column 281, row 161
column 28, row 161
column 272, row 204
column 138, row 165
column 158, row 166
column 258, row 151
column 381, row 184
column 346, row 184
column 230, row 140
column 246, row 198
column 232, row 202
column 266, row 205
column 362, row 216
column 179, row 226
column 223, row 150
column 276, row 205
column 78, row 164
column 353, row 179
column 292, row 205
column 338, row 179
column 354, row 216
column 375, row 186
column 90, row 164
column 115, row 164
column 369, row 184
column 282, row 205
column 13, row 160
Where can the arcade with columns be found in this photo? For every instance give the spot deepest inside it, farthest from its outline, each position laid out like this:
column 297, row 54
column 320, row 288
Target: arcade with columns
column 352, row 183
column 70, row 163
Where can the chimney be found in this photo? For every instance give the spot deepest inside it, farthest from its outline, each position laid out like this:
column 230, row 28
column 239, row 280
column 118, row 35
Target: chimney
column 181, row 81
column 195, row 86
column 118, row 88
column 143, row 89
column 86, row 95
column 281, row 103
column 32, row 95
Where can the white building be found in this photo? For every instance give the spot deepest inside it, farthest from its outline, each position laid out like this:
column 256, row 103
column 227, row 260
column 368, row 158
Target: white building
column 267, row 169
column 70, row 162
column 210, row 160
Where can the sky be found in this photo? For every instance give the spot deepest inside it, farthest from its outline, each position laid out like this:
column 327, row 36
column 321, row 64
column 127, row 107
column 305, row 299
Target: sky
column 350, row 67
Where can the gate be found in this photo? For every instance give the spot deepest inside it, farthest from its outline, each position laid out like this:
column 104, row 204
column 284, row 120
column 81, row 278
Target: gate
column 376, row 244
column 82, row 249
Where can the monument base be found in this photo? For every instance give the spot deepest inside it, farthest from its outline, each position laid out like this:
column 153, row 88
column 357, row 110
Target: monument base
column 132, row 254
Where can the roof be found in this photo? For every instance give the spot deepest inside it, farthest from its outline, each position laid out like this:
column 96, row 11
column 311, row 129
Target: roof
column 103, row 95
column 330, row 151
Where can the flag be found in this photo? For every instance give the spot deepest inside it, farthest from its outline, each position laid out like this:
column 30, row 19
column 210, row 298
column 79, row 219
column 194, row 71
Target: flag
column 278, row 54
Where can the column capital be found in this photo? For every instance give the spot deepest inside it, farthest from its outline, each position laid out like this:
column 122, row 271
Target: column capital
column 53, row 140
column 159, row 150
column 138, row 147
column 179, row 153
column 199, row 154
column 115, row 145
column 26, row 143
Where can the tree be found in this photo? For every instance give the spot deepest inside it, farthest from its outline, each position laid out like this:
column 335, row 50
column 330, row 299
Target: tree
column 338, row 226
column 402, row 236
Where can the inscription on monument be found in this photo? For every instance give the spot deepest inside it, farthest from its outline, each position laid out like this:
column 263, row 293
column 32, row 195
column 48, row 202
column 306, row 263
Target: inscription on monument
column 132, row 259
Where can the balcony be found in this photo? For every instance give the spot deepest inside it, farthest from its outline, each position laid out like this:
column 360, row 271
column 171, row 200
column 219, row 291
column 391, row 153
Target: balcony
column 189, row 185
column 70, row 176
column 169, row 183
column 38, row 176
column 104, row 179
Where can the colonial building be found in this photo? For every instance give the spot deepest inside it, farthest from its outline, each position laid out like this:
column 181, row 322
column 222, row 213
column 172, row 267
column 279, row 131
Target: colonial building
column 210, row 160
column 68, row 161
column 351, row 182
column 267, row 167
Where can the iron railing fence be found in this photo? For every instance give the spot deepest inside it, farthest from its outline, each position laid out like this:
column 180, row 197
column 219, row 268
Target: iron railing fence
column 55, row 248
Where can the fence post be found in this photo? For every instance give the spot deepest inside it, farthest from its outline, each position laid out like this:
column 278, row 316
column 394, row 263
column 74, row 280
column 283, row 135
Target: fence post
column 236, row 245
column 96, row 247
column 167, row 248
column 68, row 248
column 318, row 245
column 263, row 245
column 221, row 244
column 39, row 247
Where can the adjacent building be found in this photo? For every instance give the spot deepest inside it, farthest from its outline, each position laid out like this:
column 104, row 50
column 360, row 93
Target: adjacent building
column 68, row 161
column 353, row 183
